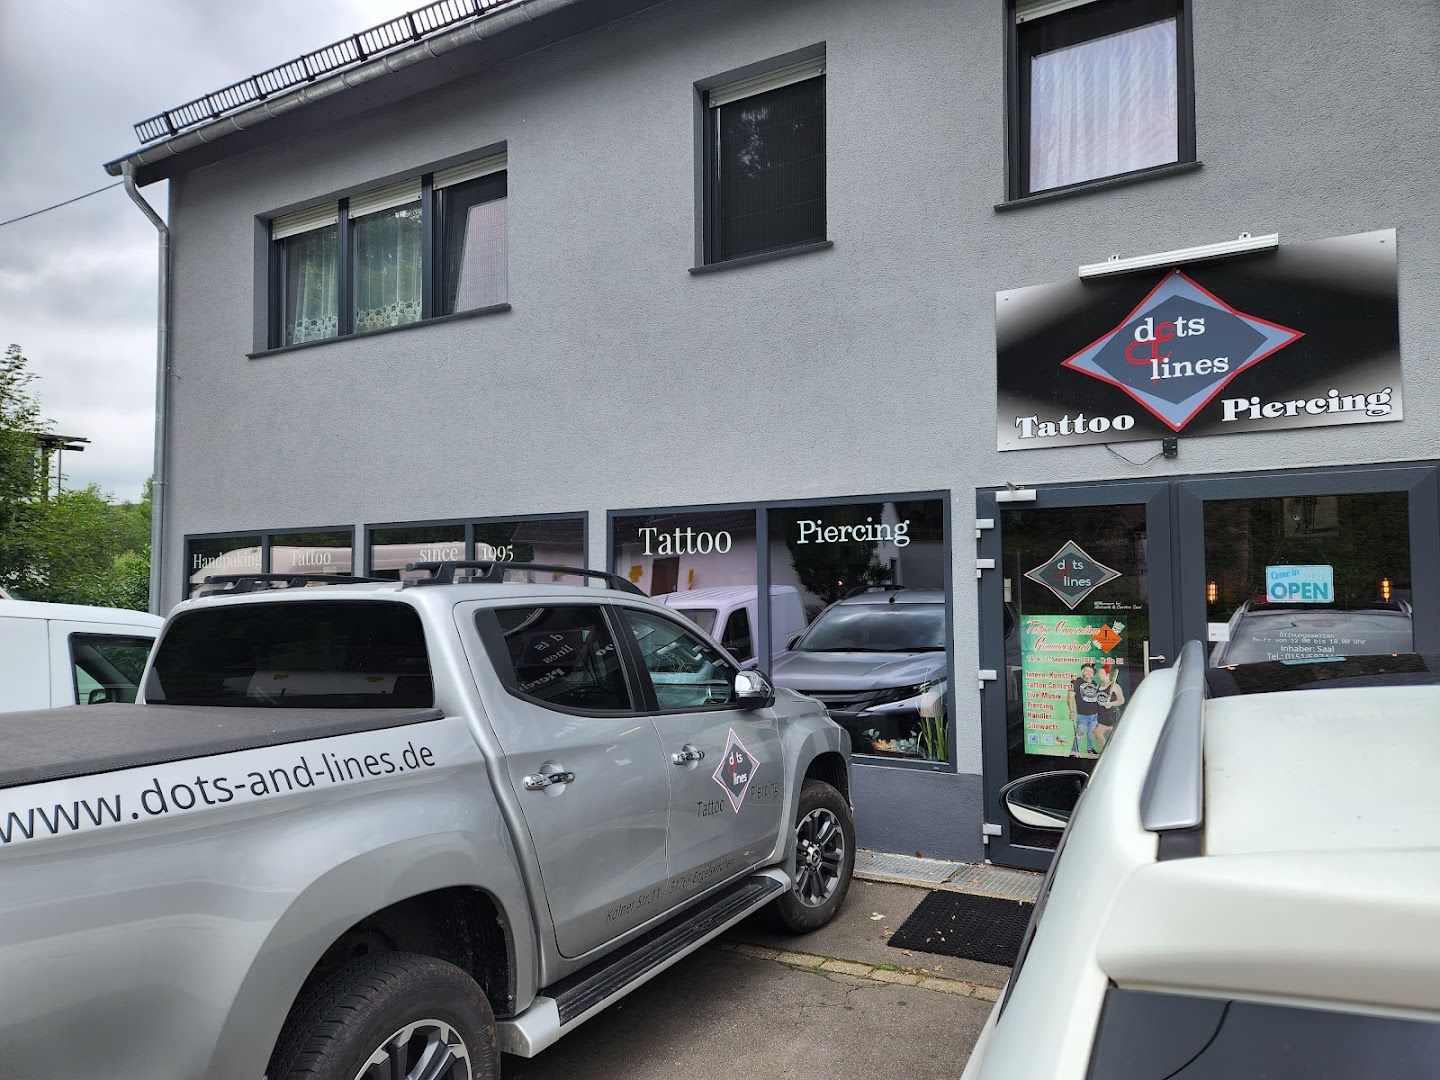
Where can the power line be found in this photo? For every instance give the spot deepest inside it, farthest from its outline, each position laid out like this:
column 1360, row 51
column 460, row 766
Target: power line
column 67, row 202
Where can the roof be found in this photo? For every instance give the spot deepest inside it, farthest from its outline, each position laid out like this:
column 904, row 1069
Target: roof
column 30, row 609
column 880, row 597
column 428, row 47
column 1321, row 770
column 718, row 594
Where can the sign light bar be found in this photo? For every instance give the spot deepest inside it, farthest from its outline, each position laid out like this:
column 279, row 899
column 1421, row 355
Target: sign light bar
column 1244, row 245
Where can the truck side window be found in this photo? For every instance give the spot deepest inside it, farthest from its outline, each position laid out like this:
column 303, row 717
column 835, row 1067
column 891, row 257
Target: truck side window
column 736, row 637
column 107, row 667
column 562, row 655
column 685, row 671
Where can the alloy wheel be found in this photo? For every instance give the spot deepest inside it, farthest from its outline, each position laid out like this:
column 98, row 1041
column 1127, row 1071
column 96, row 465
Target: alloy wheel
column 819, row 856
column 423, row 1050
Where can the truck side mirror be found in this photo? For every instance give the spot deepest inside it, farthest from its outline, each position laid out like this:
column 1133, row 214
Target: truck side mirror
column 753, row 690
column 1045, row 800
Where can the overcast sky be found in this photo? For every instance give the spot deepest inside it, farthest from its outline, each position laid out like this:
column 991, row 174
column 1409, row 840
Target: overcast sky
column 77, row 285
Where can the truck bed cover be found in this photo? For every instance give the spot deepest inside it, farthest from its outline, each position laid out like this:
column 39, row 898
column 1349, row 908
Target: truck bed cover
column 82, row 740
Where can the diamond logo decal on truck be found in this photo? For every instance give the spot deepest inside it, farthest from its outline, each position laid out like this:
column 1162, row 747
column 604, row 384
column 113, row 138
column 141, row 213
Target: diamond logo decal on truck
column 736, row 770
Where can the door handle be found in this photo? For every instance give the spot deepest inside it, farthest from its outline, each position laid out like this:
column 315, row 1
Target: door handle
column 1150, row 658
column 688, row 755
column 541, row 781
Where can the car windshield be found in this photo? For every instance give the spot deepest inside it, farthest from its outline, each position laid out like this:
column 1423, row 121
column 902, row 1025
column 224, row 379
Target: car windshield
column 1400, row 669
column 889, row 628
column 1277, row 633
column 703, row 617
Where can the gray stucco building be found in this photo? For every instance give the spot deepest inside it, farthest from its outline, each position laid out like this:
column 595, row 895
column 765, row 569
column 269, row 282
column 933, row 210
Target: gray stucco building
column 566, row 280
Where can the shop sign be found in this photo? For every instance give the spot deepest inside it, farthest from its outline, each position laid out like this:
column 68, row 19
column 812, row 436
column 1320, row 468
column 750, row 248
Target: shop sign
column 1300, row 584
column 1303, row 336
column 1072, row 687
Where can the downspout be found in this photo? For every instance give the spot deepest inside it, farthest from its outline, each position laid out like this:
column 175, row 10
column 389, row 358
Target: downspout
column 162, row 389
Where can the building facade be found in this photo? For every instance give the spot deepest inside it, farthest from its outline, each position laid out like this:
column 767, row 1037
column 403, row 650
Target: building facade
column 780, row 299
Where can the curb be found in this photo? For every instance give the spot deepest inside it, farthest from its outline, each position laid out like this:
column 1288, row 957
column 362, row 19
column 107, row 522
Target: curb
column 867, row 972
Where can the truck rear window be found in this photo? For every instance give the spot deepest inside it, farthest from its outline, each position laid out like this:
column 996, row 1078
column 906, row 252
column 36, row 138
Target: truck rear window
column 319, row 654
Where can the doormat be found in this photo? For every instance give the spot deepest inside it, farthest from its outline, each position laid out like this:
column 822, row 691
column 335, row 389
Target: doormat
column 984, row 928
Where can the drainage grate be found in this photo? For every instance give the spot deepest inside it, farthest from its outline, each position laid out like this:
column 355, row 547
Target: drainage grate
column 995, row 881
column 983, row 880
column 906, row 869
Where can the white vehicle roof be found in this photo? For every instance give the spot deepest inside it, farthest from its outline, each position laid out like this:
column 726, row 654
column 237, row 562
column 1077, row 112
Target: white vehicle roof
column 30, row 609
column 717, row 595
column 1320, row 877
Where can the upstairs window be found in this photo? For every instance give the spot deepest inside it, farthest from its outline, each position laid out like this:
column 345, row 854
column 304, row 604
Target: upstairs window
column 1100, row 88
column 474, row 260
column 765, row 162
column 430, row 246
column 307, row 266
column 387, row 229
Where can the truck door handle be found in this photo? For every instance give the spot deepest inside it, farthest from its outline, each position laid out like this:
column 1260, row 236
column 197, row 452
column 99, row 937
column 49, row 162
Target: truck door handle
column 541, row 781
column 688, row 755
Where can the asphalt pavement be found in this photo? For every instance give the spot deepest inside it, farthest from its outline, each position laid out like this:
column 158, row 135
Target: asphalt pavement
column 838, row 1003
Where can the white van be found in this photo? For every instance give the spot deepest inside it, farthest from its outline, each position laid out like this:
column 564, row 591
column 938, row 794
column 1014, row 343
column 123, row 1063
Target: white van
column 65, row 654
column 730, row 613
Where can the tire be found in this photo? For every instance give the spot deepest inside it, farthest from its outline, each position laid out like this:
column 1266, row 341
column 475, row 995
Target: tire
column 358, row 1011
column 814, row 900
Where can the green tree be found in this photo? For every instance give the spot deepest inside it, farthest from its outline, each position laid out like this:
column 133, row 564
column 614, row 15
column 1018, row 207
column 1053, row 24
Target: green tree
column 22, row 483
column 77, row 547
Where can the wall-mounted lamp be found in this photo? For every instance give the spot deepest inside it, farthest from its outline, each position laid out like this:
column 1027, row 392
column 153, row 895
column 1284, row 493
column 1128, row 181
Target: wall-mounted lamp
column 1212, row 592
column 1243, row 245
column 1385, row 588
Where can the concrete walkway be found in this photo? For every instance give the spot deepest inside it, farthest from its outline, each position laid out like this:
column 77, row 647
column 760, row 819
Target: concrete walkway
column 837, row 1003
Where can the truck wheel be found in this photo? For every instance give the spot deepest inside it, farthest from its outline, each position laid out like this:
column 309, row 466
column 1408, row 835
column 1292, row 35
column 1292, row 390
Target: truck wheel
column 390, row 1016
column 824, row 859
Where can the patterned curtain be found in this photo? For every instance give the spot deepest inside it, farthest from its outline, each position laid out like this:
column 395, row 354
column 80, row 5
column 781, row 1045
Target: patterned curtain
column 312, row 293
column 387, row 268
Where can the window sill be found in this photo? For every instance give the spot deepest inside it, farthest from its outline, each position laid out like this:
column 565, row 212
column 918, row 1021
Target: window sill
column 763, row 257
column 493, row 309
column 1104, row 183
column 884, row 761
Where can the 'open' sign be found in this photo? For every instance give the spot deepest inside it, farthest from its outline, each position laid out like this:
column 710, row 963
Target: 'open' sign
column 1300, row 584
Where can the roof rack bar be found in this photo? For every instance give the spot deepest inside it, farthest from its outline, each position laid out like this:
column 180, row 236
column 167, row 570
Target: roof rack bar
column 443, row 573
column 245, row 583
column 1172, row 799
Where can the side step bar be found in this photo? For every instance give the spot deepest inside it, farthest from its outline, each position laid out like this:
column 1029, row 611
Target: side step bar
column 569, row 1003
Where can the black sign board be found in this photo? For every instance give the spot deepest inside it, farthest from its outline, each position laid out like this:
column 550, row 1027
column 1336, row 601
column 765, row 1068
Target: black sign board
column 1307, row 335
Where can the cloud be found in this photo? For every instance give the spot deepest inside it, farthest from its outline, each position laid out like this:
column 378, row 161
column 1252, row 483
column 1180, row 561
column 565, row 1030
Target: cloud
column 77, row 285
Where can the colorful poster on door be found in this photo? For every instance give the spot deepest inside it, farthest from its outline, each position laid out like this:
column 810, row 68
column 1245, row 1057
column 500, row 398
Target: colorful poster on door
column 1072, row 682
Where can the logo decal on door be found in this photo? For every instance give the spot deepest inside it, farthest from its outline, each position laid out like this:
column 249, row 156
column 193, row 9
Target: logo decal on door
column 1071, row 574
column 736, row 770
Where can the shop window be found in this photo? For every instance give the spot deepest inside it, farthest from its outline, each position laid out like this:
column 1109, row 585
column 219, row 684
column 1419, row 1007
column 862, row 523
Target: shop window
column 474, row 246
column 558, row 541
column 393, row 548
column 387, row 231
column 307, row 267
column 328, row 552
column 1303, row 577
column 1100, row 88
column 238, row 554
column 859, row 619
column 701, row 563
column 765, row 158
column 562, row 656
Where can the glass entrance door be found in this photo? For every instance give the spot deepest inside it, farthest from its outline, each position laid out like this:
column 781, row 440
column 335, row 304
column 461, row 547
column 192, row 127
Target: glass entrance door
column 1076, row 612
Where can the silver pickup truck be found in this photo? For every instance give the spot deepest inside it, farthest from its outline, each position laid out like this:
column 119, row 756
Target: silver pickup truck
column 380, row 830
